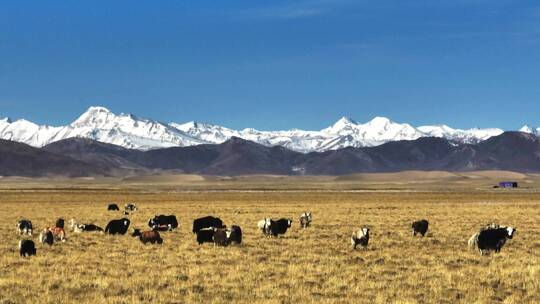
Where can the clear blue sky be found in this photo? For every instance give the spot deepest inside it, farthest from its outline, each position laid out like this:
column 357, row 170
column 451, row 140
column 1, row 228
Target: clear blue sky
column 274, row 64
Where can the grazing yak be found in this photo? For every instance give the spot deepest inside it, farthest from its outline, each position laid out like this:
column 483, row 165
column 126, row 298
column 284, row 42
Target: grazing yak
column 27, row 248
column 221, row 236
column 148, row 236
column 24, row 226
column 205, row 235
column 275, row 228
column 130, row 207
column 305, row 219
column 207, row 222
column 78, row 228
column 473, row 241
column 235, row 237
column 420, row 227
column 58, row 233
column 491, row 238
column 46, row 237
column 113, row 207
column 360, row 237
column 117, row 226
column 163, row 223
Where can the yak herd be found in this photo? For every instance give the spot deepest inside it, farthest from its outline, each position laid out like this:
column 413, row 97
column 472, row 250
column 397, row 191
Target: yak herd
column 211, row 229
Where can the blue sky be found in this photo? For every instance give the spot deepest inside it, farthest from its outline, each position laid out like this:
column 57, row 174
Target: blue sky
column 274, row 64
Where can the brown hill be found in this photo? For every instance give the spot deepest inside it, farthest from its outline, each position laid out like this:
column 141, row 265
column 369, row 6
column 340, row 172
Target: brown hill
column 18, row 159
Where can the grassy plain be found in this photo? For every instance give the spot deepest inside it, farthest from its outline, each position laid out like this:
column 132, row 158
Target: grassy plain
column 312, row 265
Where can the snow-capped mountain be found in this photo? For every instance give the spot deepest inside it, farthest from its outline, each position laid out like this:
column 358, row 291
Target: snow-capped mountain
column 100, row 124
column 125, row 130
column 344, row 133
column 470, row 136
column 375, row 132
column 27, row 132
column 134, row 132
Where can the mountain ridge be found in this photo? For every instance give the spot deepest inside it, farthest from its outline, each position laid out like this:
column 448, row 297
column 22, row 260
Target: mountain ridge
column 135, row 132
column 512, row 151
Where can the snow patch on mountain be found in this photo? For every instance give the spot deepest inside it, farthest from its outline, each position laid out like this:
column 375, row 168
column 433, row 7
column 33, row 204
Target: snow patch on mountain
column 530, row 130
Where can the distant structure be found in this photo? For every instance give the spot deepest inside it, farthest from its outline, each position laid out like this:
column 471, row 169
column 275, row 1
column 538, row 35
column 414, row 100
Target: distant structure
column 508, row 184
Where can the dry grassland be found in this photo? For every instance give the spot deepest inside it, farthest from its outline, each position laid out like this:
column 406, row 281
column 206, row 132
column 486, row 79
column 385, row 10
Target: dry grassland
column 313, row 265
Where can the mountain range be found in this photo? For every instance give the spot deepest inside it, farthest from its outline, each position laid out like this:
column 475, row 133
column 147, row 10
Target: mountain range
column 513, row 151
column 134, row 132
column 101, row 143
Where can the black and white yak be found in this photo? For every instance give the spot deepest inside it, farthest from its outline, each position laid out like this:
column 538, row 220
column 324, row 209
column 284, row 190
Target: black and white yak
column 473, row 241
column 274, row 228
column 24, row 227
column 360, row 237
column 491, row 238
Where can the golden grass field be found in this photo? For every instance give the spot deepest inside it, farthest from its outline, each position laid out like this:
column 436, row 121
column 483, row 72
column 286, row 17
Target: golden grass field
column 312, row 265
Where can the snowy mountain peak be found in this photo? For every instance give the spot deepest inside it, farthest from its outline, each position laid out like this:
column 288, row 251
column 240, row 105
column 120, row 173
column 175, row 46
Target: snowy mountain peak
column 98, row 109
column 94, row 116
column 6, row 120
column 375, row 132
column 379, row 121
column 383, row 124
column 344, row 123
